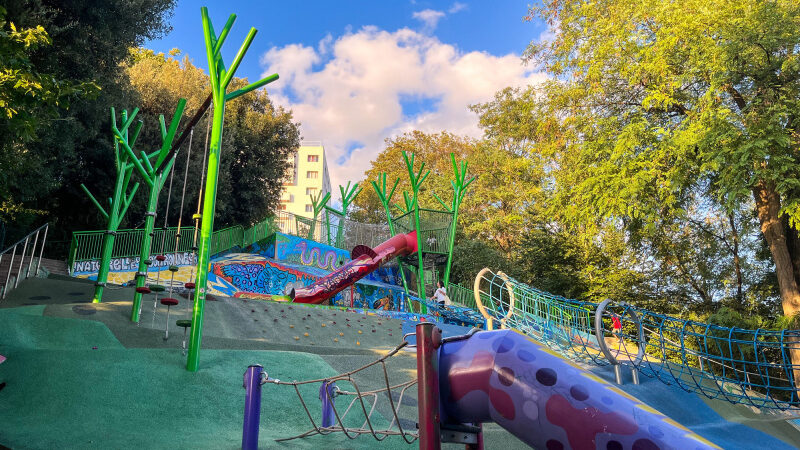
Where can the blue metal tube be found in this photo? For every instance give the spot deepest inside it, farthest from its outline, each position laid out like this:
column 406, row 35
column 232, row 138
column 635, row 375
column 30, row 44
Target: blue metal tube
column 252, row 407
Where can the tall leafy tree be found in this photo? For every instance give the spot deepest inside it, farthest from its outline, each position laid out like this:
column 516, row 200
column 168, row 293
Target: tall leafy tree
column 652, row 102
column 493, row 208
column 88, row 40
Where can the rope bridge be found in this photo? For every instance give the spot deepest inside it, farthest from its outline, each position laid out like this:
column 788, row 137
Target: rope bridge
column 335, row 419
column 752, row 367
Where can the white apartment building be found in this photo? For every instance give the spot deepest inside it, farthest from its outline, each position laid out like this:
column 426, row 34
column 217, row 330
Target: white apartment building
column 308, row 175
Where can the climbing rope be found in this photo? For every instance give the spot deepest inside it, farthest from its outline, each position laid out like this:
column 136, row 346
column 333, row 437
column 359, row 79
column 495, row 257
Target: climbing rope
column 329, row 392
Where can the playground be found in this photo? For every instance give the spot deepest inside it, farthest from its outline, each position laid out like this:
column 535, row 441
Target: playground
column 322, row 331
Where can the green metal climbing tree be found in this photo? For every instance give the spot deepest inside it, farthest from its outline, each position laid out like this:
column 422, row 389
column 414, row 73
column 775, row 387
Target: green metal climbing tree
column 385, row 196
column 318, row 203
column 416, row 178
column 154, row 178
column 460, row 185
column 220, row 79
column 121, row 199
column 348, row 197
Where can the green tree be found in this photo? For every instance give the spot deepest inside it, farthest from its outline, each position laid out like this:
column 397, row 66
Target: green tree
column 89, row 40
column 493, row 207
column 652, row 104
column 27, row 99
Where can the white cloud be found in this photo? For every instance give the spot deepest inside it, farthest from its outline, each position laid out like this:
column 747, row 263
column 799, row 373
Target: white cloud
column 456, row 7
column 352, row 98
column 429, row 18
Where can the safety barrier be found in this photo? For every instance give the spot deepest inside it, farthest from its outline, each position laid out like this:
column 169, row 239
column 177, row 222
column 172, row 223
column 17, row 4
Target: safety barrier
column 86, row 245
column 752, row 367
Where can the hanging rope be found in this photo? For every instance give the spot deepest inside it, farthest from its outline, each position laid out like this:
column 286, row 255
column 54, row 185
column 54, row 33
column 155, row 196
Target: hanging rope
column 196, row 216
column 174, row 268
column 161, row 258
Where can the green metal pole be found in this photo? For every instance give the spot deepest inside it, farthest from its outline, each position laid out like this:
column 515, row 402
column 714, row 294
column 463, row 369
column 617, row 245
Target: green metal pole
column 108, row 242
column 206, row 229
column 457, row 203
column 421, row 273
column 144, row 255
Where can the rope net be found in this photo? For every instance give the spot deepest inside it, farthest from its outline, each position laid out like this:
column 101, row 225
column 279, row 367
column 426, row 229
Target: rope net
column 361, row 415
column 752, row 367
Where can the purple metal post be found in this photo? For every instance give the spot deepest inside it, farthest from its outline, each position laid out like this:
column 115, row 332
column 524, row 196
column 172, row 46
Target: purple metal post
column 252, row 407
column 326, row 393
column 429, row 338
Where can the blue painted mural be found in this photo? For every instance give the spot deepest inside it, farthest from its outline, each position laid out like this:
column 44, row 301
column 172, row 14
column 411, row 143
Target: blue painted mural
column 249, row 275
column 296, row 250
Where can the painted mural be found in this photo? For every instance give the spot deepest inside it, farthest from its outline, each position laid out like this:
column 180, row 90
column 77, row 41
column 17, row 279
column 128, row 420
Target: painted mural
column 253, row 276
column 261, row 277
column 293, row 249
column 123, row 270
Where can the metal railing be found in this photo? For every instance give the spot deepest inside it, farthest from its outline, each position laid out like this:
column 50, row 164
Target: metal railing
column 86, row 245
column 332, row 229
column 23, row 270
column 752, row 367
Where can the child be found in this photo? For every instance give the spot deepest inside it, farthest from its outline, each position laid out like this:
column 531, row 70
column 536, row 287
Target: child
column 441, row 295
column 616, row 326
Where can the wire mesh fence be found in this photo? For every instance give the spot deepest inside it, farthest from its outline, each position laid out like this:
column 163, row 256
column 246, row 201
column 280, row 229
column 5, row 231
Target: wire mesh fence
column 758, row 367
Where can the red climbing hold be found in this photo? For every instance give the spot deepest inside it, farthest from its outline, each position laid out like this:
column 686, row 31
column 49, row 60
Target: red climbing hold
column 189, row 285
column 143, row 290
column 161, row 258
column 169, row 301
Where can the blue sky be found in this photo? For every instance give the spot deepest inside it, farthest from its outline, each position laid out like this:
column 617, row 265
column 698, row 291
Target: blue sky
column 357, row 72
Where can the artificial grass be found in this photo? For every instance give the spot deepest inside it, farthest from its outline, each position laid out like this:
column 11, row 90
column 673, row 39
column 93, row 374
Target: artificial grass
column 121, row 398
column 19, row 329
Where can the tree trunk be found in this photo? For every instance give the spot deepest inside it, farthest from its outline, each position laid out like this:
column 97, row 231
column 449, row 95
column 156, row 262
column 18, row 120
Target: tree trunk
column 768, row 207
column 737, row 264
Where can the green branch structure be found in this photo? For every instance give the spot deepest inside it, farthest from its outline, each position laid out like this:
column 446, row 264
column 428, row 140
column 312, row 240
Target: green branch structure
column 318, row 203
column 220, row 78
column 385, row 196
column 416, row 178
column 460, row 185
column 155, row 179
column 124, row 162
column 348, row 197
column 411, row 206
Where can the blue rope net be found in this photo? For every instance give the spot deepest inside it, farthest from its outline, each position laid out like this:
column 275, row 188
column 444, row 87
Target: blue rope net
column 752, row 367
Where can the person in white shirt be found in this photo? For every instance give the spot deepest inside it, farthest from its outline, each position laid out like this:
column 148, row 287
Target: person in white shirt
column 441, row 295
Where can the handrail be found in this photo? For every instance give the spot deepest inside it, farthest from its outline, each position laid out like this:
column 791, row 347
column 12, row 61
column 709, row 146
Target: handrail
column 24, row 238
column 6, row 286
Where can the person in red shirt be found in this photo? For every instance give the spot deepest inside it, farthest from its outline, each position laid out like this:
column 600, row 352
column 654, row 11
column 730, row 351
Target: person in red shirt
column 616, row 326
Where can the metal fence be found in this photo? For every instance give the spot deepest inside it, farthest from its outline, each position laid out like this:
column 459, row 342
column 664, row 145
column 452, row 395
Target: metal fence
column 752, row 367
column 434, row 228
column 87, row 245
column 332, row 229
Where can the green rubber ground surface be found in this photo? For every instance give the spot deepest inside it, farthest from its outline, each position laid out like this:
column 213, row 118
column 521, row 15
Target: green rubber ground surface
column 133, row 390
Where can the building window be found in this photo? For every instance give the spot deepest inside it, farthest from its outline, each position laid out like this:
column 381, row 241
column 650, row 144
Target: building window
column 282, row 207
column 312, row 174
column 309, row 208
column 311, row 191
column 313, row 158
column 287, row 199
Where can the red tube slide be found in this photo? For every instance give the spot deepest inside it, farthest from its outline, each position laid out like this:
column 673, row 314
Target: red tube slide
column 363, row 261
